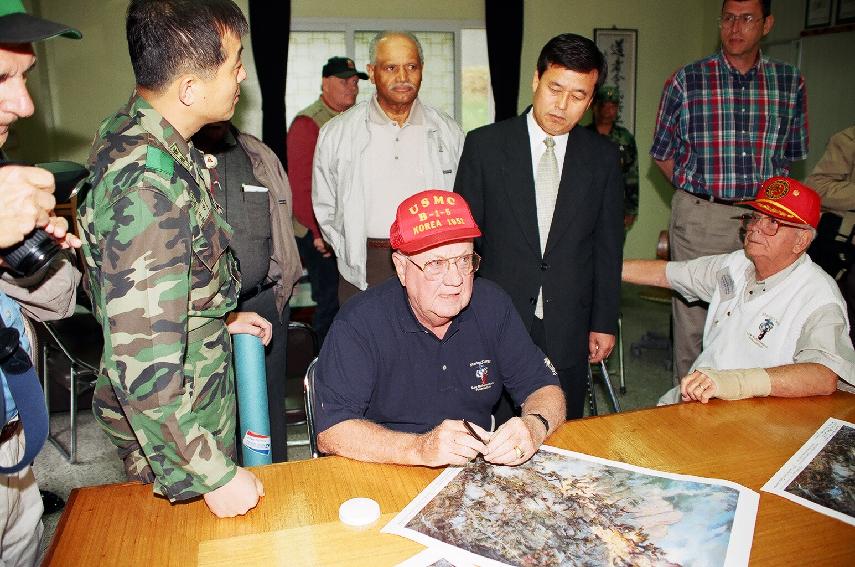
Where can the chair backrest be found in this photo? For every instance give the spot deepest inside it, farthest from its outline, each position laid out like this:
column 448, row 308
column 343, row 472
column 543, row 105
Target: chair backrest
column 78, row 338
column 303, row 346
column 309, row 398
column 663, row 248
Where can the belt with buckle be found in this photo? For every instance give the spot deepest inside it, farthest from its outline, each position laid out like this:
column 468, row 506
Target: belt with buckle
column 379, row 243
column 9, row 430
column 714, row 199
column 255, row 290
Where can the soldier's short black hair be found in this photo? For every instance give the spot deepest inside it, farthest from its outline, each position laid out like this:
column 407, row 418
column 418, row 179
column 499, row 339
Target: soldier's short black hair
column 765, row 5
column 170, row 37
column 573, row 52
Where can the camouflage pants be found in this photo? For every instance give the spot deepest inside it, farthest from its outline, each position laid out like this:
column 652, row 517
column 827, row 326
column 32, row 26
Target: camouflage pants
column 209, row 382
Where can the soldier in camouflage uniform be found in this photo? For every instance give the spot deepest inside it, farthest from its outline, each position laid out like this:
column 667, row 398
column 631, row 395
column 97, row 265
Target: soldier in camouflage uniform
column 162, row 276
column 605, row 109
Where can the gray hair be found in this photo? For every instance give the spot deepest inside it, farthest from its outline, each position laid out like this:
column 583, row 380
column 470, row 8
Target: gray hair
column 372, row 47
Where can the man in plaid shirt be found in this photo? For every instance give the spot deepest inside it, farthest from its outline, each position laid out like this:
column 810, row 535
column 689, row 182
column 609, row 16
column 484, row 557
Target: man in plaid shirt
column 725, row 124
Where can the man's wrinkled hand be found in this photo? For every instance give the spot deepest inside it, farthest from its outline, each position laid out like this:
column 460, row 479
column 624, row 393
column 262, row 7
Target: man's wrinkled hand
column 236, row 497
column 600, row 346
column 57, row 227
column 697, row 387
column 250, row 323
column 26, row 200
column 449, row 443
column 515, row 441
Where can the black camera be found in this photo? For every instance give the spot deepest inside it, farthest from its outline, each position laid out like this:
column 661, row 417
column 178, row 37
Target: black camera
column 38, row 249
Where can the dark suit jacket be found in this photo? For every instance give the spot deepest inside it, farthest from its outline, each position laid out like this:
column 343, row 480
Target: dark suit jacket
column 581, row 267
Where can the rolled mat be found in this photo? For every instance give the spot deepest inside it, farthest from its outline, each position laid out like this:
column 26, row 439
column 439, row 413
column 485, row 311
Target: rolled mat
column 251, row 380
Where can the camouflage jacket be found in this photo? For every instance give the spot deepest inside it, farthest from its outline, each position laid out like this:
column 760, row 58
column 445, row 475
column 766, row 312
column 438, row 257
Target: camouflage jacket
column 628, row 165
column 157, row 256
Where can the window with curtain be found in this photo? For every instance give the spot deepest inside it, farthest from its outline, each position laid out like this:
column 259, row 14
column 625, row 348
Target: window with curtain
column 458, row 84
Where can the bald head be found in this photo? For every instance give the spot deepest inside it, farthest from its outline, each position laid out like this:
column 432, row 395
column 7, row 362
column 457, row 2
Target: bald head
column 372, row 47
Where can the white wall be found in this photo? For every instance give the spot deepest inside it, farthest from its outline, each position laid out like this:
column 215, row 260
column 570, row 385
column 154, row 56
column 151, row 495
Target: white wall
column 77, row 84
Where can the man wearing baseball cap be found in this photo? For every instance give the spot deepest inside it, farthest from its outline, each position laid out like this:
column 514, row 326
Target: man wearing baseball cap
column 410, row 362
column 26, row 202
column 339, row 87
column 777, row 323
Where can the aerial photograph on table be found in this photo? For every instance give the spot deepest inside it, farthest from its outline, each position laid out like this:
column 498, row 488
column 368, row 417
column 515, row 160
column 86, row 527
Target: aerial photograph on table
column 821, row 475
column 562, row 506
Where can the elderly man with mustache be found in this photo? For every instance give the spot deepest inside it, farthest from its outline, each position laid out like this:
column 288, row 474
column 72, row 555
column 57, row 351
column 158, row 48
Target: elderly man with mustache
column 371, row 157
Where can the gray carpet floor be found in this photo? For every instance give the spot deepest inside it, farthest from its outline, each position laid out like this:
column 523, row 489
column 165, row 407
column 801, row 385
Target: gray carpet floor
column 647, row 377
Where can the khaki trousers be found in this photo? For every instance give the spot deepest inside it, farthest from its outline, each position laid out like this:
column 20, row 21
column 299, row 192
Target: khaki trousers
column 698, row 228
column 20, row 509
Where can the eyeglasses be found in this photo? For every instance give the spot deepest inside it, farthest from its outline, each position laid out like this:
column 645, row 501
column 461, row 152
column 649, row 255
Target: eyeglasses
column 746, row 21
column 436, row 269
column 767, row 225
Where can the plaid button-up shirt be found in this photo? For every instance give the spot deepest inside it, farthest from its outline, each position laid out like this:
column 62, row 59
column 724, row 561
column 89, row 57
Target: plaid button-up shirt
column 728, row 132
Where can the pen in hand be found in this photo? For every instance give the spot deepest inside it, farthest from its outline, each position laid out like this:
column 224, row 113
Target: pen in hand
column 472, row 432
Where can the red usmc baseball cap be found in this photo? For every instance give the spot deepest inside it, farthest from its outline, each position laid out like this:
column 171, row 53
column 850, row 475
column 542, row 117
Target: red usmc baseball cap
column 788, row 200
column 431, row 218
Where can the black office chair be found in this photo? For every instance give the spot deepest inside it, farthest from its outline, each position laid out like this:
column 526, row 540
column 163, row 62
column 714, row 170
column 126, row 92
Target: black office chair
column 309, row 398
column 303, row 347
column 70, row 353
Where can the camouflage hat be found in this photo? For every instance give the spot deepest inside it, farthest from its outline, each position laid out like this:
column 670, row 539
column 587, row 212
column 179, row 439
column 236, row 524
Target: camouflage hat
column 16, row 26
column 788, row 200
column 608, row 93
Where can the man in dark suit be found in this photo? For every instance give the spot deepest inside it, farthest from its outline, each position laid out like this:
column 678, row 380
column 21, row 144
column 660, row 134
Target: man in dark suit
column 549, row 200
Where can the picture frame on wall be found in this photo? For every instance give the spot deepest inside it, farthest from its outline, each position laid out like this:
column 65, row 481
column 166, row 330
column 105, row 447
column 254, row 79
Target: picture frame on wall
column 845, row 12
column 817, row 13
column 620, row 48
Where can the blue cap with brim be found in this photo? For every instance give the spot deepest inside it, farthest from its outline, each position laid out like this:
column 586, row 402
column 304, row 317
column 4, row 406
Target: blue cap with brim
column 17, row 26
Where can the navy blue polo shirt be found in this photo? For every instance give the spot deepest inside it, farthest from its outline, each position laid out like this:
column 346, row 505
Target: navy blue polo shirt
column 379, row 363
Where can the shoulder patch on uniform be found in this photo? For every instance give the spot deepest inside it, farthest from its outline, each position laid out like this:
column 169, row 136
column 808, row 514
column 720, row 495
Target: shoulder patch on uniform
column 159, row 160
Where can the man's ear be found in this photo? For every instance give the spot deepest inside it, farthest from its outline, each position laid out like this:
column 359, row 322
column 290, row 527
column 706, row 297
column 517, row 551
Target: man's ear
column 400, row 262
column 187, row 89
column 803, row 241
column 369, row 68
column 535, row 81
column 768, row 23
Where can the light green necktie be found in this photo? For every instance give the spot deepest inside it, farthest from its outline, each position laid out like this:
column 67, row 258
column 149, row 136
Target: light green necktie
column 546, row 193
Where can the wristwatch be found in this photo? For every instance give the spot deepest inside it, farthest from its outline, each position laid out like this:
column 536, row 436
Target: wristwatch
column 541, row 419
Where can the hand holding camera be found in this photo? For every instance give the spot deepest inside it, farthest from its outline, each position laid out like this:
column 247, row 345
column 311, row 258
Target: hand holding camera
column 26, row 214
column 25, row 201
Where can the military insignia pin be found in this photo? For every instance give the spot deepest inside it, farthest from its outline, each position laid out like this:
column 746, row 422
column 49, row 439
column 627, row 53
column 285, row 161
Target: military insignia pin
column 777, row 189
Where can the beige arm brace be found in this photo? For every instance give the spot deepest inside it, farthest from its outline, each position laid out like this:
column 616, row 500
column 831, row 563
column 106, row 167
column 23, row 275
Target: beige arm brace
column 739, row 384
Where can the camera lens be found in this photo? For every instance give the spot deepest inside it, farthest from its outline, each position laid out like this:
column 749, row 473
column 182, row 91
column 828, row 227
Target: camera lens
column 31, row 255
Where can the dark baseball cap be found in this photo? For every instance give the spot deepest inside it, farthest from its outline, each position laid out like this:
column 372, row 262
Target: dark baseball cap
column 341, row 67
column 17, row 26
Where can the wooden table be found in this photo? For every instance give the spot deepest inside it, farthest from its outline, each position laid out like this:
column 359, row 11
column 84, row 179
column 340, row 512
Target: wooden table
column 297, row 521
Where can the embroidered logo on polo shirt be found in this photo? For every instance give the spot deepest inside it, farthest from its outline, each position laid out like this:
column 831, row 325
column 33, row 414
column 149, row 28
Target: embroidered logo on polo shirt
column 726, row 285
column 482, row 374
column 762, row 327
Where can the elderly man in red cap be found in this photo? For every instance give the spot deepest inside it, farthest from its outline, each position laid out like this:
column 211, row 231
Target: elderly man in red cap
column 411, row 368
column 777, row 323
